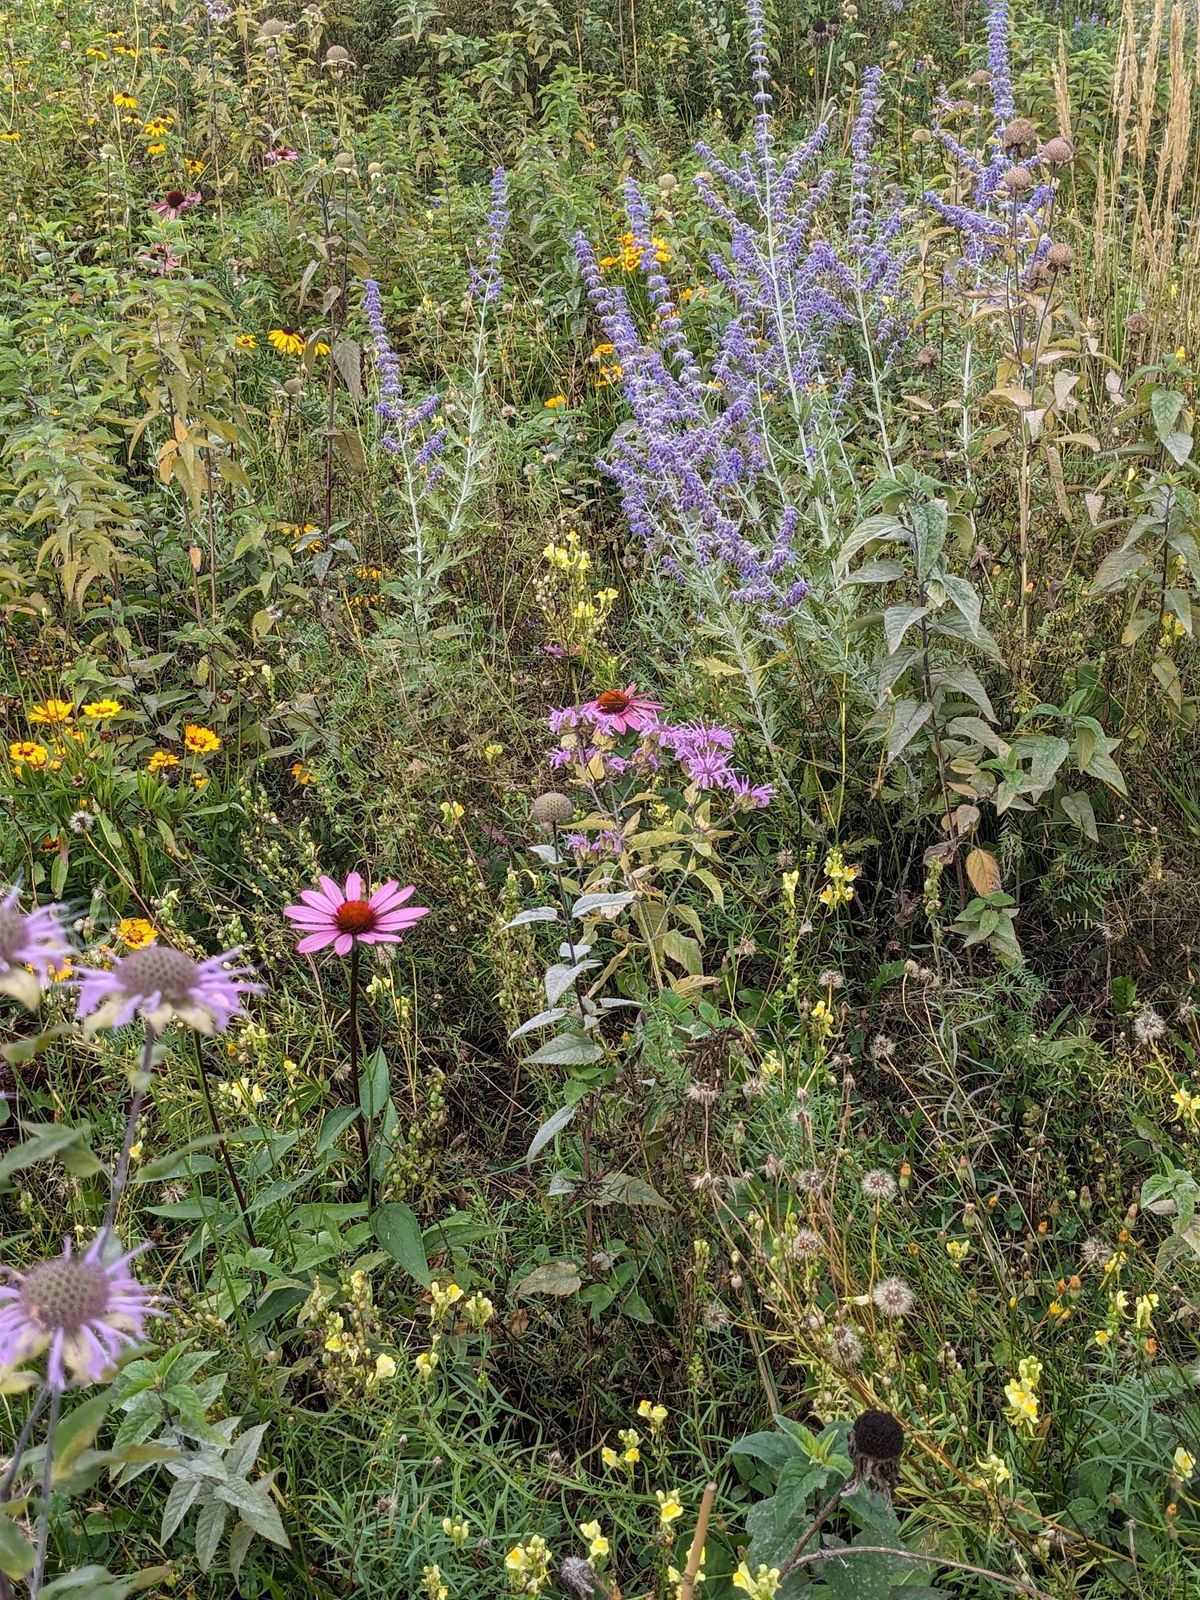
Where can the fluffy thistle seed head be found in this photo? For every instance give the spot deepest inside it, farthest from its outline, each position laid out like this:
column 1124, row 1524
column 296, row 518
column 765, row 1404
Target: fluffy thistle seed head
column 549, row 809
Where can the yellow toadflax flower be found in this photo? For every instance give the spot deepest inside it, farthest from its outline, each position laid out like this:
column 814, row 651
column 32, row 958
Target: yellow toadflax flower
column 199, row 740
column 760, row 1585
column 655, row 1415
column 670, row 1507
column 598, row 1545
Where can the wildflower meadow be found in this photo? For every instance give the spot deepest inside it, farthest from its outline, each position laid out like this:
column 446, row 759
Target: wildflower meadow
column 600, row 799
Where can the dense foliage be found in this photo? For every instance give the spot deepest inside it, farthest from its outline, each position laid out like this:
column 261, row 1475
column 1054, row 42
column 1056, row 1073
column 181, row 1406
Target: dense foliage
column 598, row 872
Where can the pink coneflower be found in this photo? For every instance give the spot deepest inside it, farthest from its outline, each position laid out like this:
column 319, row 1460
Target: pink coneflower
column 80, row 1309
column 346, row 917
column 175, row 202
column 280, row 153
column 623, row 710
column 159, row 983
column 32, row 939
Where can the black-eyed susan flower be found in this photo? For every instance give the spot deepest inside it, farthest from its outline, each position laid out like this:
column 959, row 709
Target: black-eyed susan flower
column 52, row 710
column 123, row 101
column 246, row 341
column 288, row 341
column 199, row 740
column 102, row 710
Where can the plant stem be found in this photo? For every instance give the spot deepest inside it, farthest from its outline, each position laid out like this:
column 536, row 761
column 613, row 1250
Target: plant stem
column 121, row 1176
column 226, row 1158
column 43, row 1527
column 355, row 1089
column 696, row 1552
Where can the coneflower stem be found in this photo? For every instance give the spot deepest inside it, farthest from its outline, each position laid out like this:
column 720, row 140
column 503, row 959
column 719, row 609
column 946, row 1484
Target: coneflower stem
column 226, row 1158
column 355, row 1089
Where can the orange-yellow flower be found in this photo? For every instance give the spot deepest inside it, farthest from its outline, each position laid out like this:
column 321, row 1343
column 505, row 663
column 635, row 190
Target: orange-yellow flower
column 53, row 711
column 28, row 753
column 161, row 760
column 200, row 741
column 136, row 933
column 102, row 710
column 288, row 341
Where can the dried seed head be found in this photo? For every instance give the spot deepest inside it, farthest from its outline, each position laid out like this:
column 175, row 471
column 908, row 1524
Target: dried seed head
column 1058, row 152
column 552, row 808
column 1019, row 133
column 980, row 79
column 1060, row 258
column 1137, row 322
column 876, row 1444
column 1017, row 179
column 927, row 357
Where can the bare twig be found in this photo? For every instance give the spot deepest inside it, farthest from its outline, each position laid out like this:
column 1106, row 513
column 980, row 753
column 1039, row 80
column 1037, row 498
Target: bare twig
column 687, row 1587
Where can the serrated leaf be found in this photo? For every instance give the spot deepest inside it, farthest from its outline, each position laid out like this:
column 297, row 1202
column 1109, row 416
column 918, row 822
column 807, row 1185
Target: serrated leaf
column 210, row 1525
column 180, row 1500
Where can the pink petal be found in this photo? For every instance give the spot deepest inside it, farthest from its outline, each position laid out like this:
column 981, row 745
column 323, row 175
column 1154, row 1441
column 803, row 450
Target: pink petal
column 305, row 917
column 314, row 897
column 343, row 943
column 354, row 886
column 333, row 891
column 314, row 941
column 388, row 895
column 392, row 920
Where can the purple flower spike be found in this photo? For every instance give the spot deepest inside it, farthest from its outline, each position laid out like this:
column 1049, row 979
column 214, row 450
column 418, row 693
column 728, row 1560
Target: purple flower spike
column 85, row 1312
column 32, row 945
column 159, row 983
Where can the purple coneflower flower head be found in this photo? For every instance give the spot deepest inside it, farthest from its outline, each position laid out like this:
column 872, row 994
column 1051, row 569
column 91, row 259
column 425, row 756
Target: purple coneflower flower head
column 32, row 944
column 159, row 983
column 345, row 917
column 84, row 1311
column 175, row 202
column 279, row 154
column 623, row 710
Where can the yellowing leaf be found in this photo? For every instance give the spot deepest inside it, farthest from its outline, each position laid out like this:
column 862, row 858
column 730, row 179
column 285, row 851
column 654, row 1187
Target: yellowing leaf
column 984, row 871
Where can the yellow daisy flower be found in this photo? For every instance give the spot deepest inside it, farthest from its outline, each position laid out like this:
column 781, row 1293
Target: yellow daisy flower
column 161, row 760
column 124, row 102
column 246, row 341
column 200, row 741
column 136, row 933
column 52, row 711
column 102, row 710
column 554, row 402
column 287, row 341
column 28, row 753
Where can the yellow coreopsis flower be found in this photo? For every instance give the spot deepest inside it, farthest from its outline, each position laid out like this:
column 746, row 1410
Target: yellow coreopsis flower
column 28, row 753
column 136, row 933
column 102, row 710
column 52, row 711
column 555, row 402
column 199, row 740
column 161, row 760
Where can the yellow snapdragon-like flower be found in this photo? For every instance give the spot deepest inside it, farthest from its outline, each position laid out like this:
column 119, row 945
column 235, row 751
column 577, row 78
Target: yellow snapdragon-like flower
column 441, row 1299
column 1185, row 1463
column 1144, row 1308
column 598, row 1545
column 457, row 1530
column 992, row 1471
column 670, row 1507
column 426, row 1364
column 760, row 1585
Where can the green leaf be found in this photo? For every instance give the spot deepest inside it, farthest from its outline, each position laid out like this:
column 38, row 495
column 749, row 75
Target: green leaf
column 626, row 1189
column 1165, row 406
column 774, row 1449
column 549, row 1129
column 333, row 1126
column 1079, row 809
column 210, row 1525
column 16, row 1553
column 397, row 1230
column 78, row 1430
column 897, row 620
column 374, row 1086
column 567, row 1050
